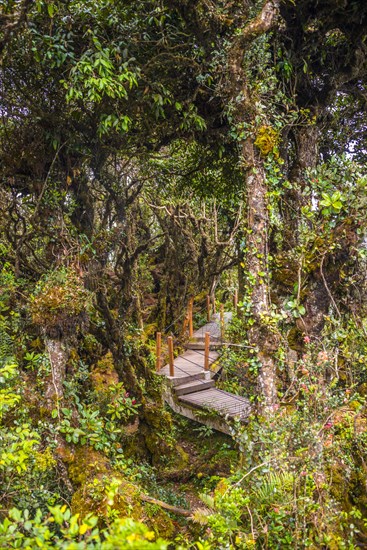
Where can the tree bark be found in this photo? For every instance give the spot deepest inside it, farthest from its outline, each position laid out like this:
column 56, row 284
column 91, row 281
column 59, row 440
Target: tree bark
column 260, row 335
column 58, row 354
column 306, row 155
column 256, row 255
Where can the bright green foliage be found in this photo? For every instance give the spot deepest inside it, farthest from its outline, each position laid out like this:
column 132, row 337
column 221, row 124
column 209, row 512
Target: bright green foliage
column 60, row 529
column 300, row 476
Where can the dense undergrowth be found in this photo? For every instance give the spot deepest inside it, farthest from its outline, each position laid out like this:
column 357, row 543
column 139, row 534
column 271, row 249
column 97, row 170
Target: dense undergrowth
column 75, row 476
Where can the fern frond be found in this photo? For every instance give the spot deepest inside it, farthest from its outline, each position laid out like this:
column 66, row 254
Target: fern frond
column 6, row 343
column 208, row 500
column 274, row 486
column 200, row 515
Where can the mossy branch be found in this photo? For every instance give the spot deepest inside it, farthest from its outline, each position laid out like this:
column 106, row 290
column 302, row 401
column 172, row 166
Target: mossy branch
column 174, row 509
column 262, row 23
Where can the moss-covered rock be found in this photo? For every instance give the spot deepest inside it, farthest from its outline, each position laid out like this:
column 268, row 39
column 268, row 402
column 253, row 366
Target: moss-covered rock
column 154, row 437
column 86, row 463
column 108, row 497
column 159, row 521
column 100, row 489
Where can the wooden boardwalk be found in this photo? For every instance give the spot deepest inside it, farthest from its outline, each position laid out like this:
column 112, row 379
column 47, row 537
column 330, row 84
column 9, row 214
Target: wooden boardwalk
column 191, row 390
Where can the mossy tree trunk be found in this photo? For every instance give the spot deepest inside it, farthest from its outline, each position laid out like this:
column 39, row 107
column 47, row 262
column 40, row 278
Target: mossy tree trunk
column 58, row 353
column 257, row 222
column 260, row 335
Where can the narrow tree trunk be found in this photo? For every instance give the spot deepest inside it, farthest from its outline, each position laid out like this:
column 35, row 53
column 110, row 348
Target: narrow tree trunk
column 58, row 354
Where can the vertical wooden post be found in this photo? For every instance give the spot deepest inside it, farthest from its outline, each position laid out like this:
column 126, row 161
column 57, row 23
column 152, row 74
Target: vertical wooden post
column 170, row 356
column 184, row 326
column 208, row 308
column 158, row 350
column 191, row 325
column 206, row 354
column 235, row 300
column 213, row 296
column 222, row 321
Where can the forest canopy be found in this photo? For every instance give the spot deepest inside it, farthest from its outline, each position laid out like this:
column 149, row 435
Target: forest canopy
column 153, row 153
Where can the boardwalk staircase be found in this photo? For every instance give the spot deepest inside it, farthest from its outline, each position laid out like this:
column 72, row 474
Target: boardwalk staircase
column 191, row 388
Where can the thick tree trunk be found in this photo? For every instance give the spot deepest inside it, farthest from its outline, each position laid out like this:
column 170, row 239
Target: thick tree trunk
column 260, row 335
column 306, row 156
column 256, row 255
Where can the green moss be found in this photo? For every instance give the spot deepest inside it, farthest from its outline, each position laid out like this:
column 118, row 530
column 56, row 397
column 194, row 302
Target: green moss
column 91, row 345
column 266, row 141
column 101, row 490
column 156, row 428
column 295, row 338
column 60, row 302
column 362, row 389
column 108, row 496
column 104, row 375
column 159, row 521
column 222, row 461
column 86, row 463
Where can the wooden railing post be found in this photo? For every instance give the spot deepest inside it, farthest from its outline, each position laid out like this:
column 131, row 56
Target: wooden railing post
column 222, row 321
column 213, row 298
column 208, row 308
column 170, row 356
column 191, row 324
column 185, row 325
column 158, row 350
column 235, row 300
column 206, row 354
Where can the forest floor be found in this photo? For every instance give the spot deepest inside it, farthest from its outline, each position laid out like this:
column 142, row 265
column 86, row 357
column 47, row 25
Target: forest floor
column 205, row 457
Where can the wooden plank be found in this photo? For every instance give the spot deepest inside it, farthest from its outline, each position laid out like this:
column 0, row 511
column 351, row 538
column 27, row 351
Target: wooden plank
column 212, row 401
column 190, row 366
column 232, row 405
column 209, row 399
column 241, row 413
column 238, row 397
column 206, row 353
column 213, row 398
column 194, row 386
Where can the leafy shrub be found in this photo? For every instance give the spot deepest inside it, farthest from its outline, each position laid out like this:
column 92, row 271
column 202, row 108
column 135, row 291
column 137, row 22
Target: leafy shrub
column 59, row 529
column 60, row 303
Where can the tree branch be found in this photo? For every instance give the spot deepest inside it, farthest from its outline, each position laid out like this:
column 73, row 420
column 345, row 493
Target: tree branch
column 262, row 23
column 175, row 509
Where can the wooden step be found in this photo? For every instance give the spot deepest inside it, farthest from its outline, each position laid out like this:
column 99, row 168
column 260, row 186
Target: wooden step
column 200, row 345
column 180, row 380
column 220, row 401
column 194, row 386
